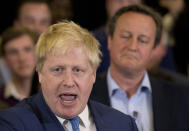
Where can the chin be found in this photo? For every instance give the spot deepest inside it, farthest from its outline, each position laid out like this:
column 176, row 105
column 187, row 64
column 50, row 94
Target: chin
column 66, row 114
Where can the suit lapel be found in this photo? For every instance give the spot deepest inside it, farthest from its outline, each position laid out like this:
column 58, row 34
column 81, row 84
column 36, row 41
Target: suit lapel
column 98, row 118
column 162, row 105
column 45, row 115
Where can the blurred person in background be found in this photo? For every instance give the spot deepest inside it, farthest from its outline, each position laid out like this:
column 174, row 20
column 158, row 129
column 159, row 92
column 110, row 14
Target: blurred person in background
column 17, row 48
column 34, row 15
column 61, row 9
column 180, row 35
column 157, row 104
column 101, row 33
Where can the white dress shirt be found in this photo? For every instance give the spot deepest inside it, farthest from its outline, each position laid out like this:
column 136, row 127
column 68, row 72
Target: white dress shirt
column 10, row 90
column 86, row 122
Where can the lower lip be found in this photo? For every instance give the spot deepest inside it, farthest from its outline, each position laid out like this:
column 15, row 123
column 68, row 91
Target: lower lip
column 68, row 103
column 130, row 56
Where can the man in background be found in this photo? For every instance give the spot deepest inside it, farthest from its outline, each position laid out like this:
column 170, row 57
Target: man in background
column 112, row 6
column 34, row 15
column 17, row 49
column 156, row 103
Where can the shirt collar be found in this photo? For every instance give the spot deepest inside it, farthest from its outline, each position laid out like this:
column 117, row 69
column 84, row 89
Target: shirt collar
column 113, row 86
column 146, row 82
column 84, row 116
column 10, row 90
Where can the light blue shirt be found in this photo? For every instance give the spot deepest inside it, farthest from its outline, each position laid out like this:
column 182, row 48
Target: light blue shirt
column 139, row 106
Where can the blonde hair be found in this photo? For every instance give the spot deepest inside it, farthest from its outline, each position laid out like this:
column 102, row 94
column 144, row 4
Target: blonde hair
column 63, row 36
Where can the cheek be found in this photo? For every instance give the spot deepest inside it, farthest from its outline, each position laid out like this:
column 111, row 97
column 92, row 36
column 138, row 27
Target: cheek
column 146, row 56
column 50, row 83
column 87, row 84
column 11, row 60
column 12, row 63
column 31, row 57
column 33, row 62
column 48, row 88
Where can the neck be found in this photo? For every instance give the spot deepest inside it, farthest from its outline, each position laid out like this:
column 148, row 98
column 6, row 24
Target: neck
column 127, row 80
column 23, row 85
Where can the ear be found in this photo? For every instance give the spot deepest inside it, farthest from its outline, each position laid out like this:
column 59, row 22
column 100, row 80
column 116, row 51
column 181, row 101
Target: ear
column 40, row 76
column 94, row 76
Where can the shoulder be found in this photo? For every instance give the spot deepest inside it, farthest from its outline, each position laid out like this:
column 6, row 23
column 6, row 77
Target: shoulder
column 108, row 111
column 19, row 117
column 4, row 103
column 114, row 118
column 170, row 84
column 172, row 79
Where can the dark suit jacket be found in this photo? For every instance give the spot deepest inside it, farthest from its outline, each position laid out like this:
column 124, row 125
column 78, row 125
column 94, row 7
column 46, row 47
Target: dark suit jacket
column 170, row 101
column 33, row 114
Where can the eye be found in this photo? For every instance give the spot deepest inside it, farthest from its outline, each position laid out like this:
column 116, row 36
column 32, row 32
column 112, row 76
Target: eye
column 12, row 52
column 77, row 70
column 58, row 69
column 28, row 49
column 143, row 40
column 125, row 36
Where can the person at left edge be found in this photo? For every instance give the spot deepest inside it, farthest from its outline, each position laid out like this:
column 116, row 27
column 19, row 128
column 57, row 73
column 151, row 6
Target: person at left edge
column 67, row 57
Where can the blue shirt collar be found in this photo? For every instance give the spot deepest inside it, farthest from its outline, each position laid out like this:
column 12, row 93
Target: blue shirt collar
column 113, row 86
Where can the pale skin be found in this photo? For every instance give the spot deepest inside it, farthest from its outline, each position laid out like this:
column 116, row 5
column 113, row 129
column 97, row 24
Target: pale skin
column 130, row 50
column 66, row 81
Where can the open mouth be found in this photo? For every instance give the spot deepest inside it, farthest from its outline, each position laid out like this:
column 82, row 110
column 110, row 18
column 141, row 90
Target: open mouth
column 68, row 98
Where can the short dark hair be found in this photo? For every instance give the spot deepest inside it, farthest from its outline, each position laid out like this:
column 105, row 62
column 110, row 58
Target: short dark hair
column 13, row 33
column 20, row 3
column 142, row 9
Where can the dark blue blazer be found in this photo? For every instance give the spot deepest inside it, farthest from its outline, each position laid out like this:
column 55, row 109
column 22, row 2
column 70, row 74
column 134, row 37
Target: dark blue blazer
column 33, row 114
column 170, row 99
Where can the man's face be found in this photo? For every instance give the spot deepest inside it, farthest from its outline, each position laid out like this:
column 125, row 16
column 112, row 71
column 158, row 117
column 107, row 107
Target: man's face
column 132, row 43
column 66, row 81
column 19, row 55
column 34, row 16
column 112, row 6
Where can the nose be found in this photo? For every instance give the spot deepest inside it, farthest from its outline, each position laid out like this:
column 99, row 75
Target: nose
column 21, row 56
column 68, row 80
column 37, row 27
column 133, row 44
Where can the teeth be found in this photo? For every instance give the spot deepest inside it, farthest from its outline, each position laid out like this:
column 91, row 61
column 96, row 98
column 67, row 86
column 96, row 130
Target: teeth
column 67, row 101
column 68, row 97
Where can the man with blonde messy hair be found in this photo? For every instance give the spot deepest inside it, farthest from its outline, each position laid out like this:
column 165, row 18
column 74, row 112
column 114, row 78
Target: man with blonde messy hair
column 64, row 37
column 67, row 59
